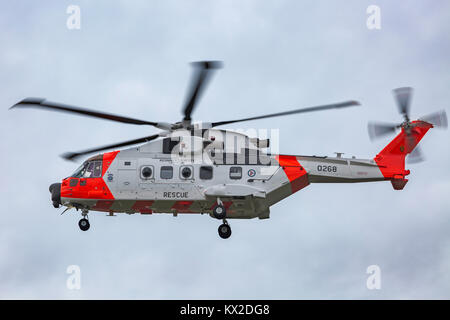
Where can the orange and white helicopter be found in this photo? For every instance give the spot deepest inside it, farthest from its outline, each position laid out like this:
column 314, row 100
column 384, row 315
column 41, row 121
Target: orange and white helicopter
column 196, row 168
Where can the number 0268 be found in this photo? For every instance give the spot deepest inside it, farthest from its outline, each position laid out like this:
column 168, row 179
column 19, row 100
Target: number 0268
column 327, row 168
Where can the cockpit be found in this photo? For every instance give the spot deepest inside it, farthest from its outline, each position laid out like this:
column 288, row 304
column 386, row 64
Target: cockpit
column 89, row 169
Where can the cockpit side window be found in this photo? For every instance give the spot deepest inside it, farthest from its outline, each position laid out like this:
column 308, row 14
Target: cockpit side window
column 97, row 169
column 89, row 169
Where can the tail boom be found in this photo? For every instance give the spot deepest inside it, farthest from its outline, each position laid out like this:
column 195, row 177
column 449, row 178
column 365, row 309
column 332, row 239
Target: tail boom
column 296, row 172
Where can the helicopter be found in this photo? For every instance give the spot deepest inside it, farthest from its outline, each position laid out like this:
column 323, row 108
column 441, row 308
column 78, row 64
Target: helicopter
column 196, row 168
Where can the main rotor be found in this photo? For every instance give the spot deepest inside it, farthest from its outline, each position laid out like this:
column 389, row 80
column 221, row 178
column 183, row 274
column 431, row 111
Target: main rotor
column 203, row 71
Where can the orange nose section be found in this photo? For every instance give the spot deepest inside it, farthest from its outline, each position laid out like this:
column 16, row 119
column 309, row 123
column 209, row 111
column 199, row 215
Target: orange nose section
column 90, row 187
column 85, row 188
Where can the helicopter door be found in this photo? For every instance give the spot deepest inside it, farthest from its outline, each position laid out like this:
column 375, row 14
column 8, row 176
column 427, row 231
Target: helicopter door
column 126, row 177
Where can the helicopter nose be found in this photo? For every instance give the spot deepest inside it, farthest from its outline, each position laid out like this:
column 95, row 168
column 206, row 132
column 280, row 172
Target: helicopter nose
column 55, row 190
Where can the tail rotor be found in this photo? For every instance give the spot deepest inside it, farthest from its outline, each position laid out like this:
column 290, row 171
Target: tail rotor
column 403, row 98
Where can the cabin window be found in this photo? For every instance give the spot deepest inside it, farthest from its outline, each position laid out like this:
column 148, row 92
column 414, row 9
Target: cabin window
column 235, row 173
column 206, row 172
column 146, row 172
column 186, row 172
column 166, row 172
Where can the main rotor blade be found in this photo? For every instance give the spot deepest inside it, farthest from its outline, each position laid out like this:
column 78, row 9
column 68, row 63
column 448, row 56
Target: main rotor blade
column 303, row 110
column 202, row 75
column 403, row 98
column 41, row 103
column 437, row 119
column 380, row 129
column 74, row 155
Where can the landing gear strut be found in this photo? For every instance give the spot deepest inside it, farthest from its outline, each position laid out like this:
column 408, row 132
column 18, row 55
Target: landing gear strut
column 224, row 230
column 84, row 223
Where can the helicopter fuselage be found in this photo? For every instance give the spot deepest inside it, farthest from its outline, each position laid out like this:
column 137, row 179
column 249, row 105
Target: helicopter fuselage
column 138, row 181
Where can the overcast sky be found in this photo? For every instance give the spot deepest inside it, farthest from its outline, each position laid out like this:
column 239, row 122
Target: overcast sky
column 131, row 58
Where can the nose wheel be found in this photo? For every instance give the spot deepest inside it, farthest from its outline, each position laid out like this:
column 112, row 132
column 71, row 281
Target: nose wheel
column 224, row 230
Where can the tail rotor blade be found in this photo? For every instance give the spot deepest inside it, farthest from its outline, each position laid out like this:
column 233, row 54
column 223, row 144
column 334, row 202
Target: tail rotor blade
column 437, row 119
column 380, row 129
column 415, row 156
column 403, row 97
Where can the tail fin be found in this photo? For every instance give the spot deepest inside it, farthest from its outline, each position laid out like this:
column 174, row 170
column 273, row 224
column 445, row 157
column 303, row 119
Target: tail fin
column 391, row 160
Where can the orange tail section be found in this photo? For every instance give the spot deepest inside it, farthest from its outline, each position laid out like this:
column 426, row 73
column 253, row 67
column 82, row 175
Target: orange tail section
column 391, row 160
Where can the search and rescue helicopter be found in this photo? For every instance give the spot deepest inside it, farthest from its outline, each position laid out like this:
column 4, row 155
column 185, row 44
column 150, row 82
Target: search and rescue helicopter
column 195, row 168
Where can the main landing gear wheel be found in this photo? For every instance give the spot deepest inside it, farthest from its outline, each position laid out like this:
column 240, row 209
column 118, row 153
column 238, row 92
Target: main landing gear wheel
column 224, row 231
column 84, row 224
column 219, row 212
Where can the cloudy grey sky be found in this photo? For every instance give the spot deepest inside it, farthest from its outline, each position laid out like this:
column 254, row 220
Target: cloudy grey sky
column 130, row 57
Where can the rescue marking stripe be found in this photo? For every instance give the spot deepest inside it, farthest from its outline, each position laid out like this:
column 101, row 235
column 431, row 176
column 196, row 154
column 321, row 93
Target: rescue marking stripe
column 103, row 205
column 143, row 206
column 182, row 206
column 296, row 174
